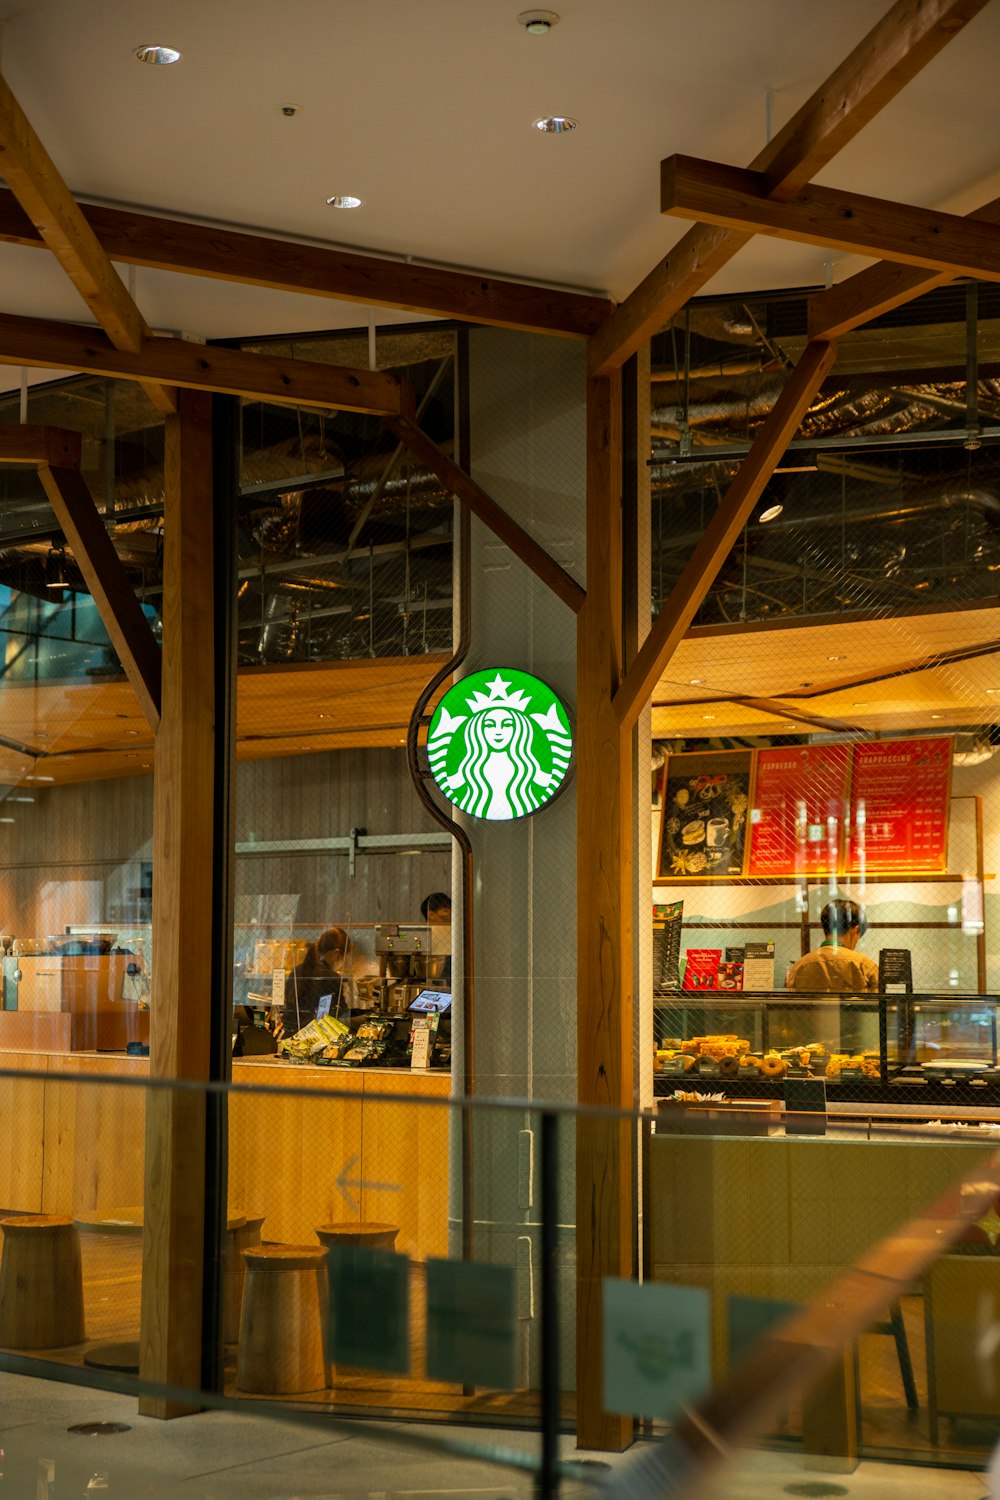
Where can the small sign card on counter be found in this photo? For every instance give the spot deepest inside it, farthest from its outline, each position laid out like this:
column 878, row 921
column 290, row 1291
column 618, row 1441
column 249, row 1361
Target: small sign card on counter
column 278, row 987
column 423, row 1031
column 758, row 966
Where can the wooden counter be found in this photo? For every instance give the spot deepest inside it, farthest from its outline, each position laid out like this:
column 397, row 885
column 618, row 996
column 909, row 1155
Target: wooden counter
column 333, row 1151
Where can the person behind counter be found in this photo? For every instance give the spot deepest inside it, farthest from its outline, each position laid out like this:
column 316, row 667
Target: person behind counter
column 318, row 975
column 436, row 912
column 835, row 968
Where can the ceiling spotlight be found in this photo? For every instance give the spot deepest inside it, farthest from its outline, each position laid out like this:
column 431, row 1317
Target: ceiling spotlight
column 158, row 56
column 555, row 124
column 695, row 681
column 708, row 716
column 344, row 200
column 538, row 22
column 770, row 513
column 835, row 658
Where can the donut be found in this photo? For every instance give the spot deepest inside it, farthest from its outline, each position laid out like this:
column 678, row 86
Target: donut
column 773, row 1066
column 729, row 1065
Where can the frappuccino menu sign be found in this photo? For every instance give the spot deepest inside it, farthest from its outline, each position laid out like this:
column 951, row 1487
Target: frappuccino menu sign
column 500, row 744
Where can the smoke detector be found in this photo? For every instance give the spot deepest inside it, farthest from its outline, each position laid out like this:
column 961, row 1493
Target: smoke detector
column 538, row 22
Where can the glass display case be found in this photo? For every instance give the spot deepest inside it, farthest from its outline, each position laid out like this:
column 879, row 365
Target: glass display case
column 912, row 1048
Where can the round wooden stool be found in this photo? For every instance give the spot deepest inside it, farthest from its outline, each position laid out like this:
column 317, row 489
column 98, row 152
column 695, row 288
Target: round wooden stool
column 241, row 1234
column 368, row 1236
column 284, row 1314
column 41, row 1283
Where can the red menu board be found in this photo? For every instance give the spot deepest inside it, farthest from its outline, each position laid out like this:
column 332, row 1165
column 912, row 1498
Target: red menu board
column 798, row 814
column 899, row 805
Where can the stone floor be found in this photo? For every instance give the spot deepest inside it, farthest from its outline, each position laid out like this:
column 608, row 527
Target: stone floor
column 224, row 1455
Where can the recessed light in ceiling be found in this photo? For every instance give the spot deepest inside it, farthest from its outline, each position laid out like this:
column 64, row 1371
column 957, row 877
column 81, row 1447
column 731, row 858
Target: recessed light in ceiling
column 696, row 681
column 861, row 705
column 344, row 200
column 555, row 124
column 836, row 658
column 158, row 57
column 708, row 716
column 538, row 22
column 771, row 513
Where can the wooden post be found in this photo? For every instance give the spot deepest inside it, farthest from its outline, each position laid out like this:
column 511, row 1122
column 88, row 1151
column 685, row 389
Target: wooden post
column 180, row 1019
column 605, row 1207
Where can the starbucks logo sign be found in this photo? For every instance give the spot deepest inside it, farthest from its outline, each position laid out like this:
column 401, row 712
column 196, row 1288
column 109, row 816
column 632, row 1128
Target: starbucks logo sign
column 499, row 744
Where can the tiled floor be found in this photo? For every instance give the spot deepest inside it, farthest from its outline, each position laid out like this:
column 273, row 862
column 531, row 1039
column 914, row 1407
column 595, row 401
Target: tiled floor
column 229, row 1456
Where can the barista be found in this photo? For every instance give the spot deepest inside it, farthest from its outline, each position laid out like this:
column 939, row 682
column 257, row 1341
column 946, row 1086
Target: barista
column 320, row 974
column 835, row 967
column 436, row 912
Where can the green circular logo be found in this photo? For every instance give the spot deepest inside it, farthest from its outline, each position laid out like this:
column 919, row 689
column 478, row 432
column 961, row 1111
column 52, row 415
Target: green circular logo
column 499, row 744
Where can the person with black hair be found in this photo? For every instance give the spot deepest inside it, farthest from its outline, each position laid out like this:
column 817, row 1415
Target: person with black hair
column 320, row 974
column 835, row 967
column 436, row 909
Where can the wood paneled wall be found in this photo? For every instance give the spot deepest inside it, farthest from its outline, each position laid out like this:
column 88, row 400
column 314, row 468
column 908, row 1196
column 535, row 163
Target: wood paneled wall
column 73, row 854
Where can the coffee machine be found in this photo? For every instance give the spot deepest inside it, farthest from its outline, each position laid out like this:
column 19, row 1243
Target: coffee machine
column 410, row 959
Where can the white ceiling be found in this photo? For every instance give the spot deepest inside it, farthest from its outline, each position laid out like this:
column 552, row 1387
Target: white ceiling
column 425, row 108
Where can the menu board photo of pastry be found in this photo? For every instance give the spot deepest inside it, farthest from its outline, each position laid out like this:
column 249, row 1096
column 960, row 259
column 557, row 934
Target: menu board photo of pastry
column 704, row 814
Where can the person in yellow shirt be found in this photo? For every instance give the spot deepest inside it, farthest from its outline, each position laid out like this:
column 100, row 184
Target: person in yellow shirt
column 835, row 967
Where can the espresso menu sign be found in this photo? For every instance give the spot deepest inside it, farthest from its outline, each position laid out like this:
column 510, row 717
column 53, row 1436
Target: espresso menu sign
column 900, row 792
column 800, row 801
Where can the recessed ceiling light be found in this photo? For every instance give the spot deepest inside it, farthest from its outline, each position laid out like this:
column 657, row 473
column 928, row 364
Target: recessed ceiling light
column 993, row 690
column 696, row 681
column 344, row 200
column 158, row 56
column 555, row 124
column 836, row 658
column 771, row 513
column 708, row 716
column 937, row 716
column 861, row 705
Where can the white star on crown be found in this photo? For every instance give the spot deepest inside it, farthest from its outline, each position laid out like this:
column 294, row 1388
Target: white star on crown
column 498, row 697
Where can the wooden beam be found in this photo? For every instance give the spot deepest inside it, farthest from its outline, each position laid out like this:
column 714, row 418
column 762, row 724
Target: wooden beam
column 262, row 377
column 108, row 583
column 32, row 176
column 23, row 443
column 908, row 36
column 180, row 1010
column 717, row 194
column 878, row 289
column 605, row 1205
column 35, row 181
column 722, row 530
column 470, row 494
column 135, row 237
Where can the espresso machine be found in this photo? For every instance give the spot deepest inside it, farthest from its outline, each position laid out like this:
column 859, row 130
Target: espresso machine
column 410, row 959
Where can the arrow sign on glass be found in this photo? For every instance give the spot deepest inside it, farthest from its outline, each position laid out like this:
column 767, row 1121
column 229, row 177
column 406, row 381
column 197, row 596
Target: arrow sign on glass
column 345, row 1182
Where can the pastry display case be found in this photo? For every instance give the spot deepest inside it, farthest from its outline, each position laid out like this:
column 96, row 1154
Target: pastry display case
column 907, row 1048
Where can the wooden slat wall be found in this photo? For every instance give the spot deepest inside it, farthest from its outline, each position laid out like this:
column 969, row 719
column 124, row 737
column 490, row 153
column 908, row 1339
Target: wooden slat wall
column 99, row 832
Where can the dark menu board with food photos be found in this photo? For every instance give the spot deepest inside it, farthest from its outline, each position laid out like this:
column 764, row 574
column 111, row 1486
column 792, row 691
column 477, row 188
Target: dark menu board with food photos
column 800, row 802
column 704, row 814
column 900, row 791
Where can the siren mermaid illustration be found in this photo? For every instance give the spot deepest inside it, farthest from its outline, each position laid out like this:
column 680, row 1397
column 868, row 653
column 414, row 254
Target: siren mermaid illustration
column 499, row 774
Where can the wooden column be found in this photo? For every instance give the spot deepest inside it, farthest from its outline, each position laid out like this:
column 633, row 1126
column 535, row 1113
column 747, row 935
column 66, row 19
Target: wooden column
column 180, row 1025
column 605, row 1207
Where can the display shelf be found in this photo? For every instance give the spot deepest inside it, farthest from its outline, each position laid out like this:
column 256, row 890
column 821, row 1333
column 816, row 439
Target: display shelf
column 915, row 1048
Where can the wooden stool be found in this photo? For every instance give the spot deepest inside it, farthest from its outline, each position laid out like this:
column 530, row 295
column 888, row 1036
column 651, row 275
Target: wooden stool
column 368, row 1236
column 284, row 1314
column 41, row 1283
column 242, row 1234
